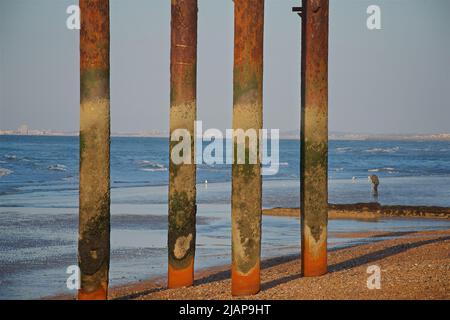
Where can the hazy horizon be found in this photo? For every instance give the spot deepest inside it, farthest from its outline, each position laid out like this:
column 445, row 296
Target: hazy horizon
column 393, row 81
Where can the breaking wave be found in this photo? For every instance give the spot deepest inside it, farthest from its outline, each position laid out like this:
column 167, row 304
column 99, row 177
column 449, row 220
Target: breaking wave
column 10, row 157
column 57, row 167
column 150, row 166
column 383, row 150
column 5, row 172
column 390, row 170
column 343, row 149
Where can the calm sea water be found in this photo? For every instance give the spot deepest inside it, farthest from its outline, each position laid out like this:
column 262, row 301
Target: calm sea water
column 39, row 195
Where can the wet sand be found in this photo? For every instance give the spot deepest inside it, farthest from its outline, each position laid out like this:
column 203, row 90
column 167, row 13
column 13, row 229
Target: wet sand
column 414, row 265
column 369, row 211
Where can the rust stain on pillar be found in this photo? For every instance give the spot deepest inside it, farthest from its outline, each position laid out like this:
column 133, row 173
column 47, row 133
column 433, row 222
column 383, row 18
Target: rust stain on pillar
column 247, row 114
column 94, row 196
column 183, row 113
column 314, row 137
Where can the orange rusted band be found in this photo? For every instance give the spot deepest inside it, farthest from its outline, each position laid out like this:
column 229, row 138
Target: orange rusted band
column 245, row 284
column 100, row 294
column 179, row 278
column 314, row 264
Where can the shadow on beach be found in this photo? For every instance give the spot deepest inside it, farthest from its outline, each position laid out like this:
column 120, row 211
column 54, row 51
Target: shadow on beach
column 220, row 274
column 361, row 260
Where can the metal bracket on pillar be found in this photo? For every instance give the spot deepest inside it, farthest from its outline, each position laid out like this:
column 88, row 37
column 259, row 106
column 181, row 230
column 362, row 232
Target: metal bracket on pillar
column 299, row 10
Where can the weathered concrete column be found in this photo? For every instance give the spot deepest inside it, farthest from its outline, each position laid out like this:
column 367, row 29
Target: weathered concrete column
column 183, row 113
column 314, row 137
column 94, row 199
column 246, row 177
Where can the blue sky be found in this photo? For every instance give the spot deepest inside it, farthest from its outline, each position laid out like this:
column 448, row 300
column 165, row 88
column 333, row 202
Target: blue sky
column 394, row 80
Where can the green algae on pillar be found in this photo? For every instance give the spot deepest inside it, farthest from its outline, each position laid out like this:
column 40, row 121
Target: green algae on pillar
column 314, row 137
column 246, row 177
column 183, row 113
column 94, row 196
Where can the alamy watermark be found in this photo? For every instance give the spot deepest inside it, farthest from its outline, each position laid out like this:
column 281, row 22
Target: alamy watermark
column 374, row 280
column 374, row 20
column 73, row 281
column 236, row 146
column 73, row 22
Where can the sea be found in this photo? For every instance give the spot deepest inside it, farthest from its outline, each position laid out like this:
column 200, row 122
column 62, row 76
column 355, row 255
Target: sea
column 39, row 204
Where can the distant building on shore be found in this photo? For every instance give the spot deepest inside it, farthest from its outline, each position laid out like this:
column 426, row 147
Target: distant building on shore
column 23, row 129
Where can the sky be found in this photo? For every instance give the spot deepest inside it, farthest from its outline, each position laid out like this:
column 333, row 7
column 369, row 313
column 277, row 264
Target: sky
column 394, row 80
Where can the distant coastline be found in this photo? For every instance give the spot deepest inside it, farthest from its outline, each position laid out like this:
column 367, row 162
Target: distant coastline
column 393, row 137
column 288, row 135
column 295, row 135
column 49, row 133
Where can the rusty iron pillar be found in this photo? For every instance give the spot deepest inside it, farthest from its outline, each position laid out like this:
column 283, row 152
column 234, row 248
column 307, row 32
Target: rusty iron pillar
column 183, row 113
column 314, row 137
column 94, row 196
column 246, row 175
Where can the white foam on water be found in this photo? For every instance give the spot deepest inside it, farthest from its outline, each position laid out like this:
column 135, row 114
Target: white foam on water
column 150, row 166
column 343, row 149
column 57, row 167
column 5, row 172
column 390, row 170
column 10, row 157
column 383, row 150
column 154, row 169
